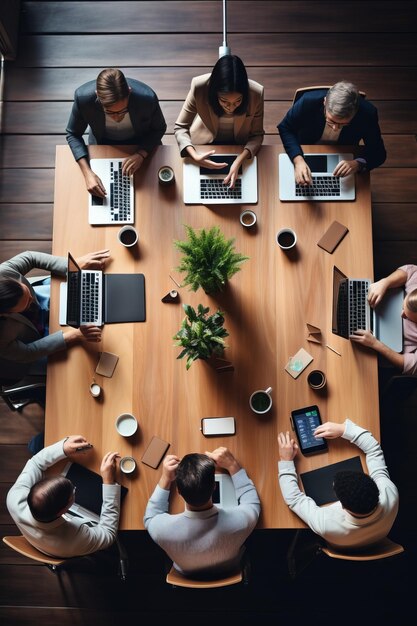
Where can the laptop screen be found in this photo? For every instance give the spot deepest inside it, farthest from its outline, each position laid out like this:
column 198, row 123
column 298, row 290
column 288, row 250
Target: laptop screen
column 73, row 292
column 340, row 303
column 316, row 162
column 220, row 158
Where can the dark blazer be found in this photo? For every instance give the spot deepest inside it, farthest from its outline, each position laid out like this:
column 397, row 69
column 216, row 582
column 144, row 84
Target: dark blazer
column 145, row 114
column 304, row 124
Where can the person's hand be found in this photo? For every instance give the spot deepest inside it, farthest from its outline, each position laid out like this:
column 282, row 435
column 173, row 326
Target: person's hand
column 132, row 163
column 94, row 184
column 302, row 172
column 344, row 168
column 204, row 160
column 108, row 467
column 287, row 447
column 169, row 470
column 90, row 333
column 329, row 430
column 94, row 260
column 75, row 445
column 364, row 337
column 225, row 459
column 376, row 292
column 231, row 178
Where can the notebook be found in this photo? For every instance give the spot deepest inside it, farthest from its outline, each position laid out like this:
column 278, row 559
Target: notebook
column 351, row 311
column 224, row 495
column 89, row 492
column 92, row 297
column 118, row 207
column 318, row 484
column 325, row 186
column 205, row 186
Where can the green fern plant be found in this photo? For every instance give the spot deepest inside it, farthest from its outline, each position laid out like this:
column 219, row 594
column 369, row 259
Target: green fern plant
column 201, row 335
column 209, row 259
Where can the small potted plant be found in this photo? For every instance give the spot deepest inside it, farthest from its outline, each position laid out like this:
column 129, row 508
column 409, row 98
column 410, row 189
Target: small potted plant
column 201, row 336
column 209, row 259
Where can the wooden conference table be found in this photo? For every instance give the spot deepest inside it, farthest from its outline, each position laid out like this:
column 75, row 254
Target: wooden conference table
column 267, row 305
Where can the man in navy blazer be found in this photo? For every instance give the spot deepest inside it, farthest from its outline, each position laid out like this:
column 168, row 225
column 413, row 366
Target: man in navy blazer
column 118, row 110
column 339, row 115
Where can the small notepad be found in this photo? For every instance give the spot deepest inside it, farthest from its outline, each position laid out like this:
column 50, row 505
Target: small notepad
column 298, row 363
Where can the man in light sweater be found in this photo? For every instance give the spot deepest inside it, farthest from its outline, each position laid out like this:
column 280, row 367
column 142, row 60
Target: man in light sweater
column 38, row 505
column 367, row 505
column 203, row 540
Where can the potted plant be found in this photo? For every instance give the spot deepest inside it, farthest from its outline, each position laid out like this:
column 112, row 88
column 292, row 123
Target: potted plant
column 201, row 336
column 209, row 259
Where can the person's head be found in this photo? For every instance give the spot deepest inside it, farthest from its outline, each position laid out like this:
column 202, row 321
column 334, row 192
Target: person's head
column 410, row 306
column 195, row 479
column 357, row 492
column 341, row 104
column 51, row 497
column 229, row 86
column 113, row 92
column 15, row 297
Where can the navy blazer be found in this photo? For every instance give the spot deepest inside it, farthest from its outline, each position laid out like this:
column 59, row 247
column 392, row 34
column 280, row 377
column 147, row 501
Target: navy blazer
column 145, row 114
column 304, row 124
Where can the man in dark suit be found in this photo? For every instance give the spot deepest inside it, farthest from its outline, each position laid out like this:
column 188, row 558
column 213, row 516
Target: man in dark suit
column 118, row 111
column 335, row 116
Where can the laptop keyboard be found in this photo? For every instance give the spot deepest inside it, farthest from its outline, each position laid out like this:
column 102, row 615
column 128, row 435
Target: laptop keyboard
column 358, row 302
column 322, row 186
column 120, row 206
column 90, row 298
column 213, row 189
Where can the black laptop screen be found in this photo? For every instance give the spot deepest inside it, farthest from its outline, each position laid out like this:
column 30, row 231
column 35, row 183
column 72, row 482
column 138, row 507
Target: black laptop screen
column 220, row 158
column 340, row 304
column 316, row 162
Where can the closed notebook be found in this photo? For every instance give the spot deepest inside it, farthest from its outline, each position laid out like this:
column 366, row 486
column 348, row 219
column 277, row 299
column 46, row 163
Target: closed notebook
column 155, row 452
column 332, row 237
column 318, row 484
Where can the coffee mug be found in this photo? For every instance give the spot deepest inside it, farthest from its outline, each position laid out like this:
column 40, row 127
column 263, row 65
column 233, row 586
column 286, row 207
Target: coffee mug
column 128, row 236
column 286, row 238
column 316, row 379
column 261, row 401
column 248, row 218
column 95, row 389
column 126, row 424
column 127, row 464
column 166, row 175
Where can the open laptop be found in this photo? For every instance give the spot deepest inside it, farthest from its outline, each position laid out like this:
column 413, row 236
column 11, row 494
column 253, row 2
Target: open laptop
column 205, row 186
column 318, row 483
column 118, row 207
column 92, row 297
column 224, row 495
column 325, row 186
column 351, row 311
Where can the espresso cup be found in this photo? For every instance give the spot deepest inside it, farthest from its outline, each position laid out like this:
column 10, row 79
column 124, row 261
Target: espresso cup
column 128, row 236
column 126, row 424
column 166, row 175
column 286, row 238
column 316, row 379
column 261, row 401
column 127, row 464
column 95, row 389
column 248, row 218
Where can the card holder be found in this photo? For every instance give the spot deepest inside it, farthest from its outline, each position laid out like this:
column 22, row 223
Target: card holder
column 107, row 364
column 332, row 237
column 155, row 452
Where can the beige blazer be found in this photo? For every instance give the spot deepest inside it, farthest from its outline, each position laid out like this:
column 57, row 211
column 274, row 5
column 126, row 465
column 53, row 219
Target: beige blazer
column 198, row 124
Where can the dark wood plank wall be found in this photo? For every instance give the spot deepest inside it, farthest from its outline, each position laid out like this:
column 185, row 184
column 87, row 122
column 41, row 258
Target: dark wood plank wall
column 284, row 44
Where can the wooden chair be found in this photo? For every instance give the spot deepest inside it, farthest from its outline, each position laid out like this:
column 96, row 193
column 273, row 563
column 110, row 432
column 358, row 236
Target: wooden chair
column 302, row 90
column 19, row 543
column 17, row 394
column 381, row 550
column 176, row 579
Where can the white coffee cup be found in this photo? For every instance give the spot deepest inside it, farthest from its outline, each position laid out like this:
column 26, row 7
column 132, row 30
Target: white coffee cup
column 126, row 424
column 95, row 389
column 260, row 401
column 286, row 238
column 128, row 236
column 248, row 218
column 127, row 464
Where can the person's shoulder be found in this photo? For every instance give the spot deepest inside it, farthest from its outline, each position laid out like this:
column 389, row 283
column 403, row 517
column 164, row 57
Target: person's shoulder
column 140, row 89
column 366, row 107
column 200, row 81
column 255, row 87
column 86, row 90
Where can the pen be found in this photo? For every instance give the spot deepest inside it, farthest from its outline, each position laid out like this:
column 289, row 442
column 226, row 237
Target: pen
column 86, row 447
column 173, row 279
column 332, row 349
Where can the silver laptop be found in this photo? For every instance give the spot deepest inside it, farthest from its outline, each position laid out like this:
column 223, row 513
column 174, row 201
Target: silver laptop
column 351, row 311
column 205, row 186
column 325, row 186
column 224, row 495
column 118, row 207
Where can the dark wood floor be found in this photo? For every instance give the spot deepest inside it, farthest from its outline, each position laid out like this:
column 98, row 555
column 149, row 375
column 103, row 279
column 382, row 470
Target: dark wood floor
column 284, row 44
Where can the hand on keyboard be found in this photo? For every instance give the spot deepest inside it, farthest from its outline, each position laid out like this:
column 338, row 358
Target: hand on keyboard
column 302, row 172
column 365, row 337
column 345, row 168
column 132, row 163
column 94, row 184
column 91, row 333
column 94, row 260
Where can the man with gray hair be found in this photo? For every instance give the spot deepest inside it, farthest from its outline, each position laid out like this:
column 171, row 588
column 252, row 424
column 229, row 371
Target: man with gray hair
column 339, row 115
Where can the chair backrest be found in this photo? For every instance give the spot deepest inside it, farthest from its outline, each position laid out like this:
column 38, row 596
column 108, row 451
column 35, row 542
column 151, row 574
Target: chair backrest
column 17, row 394
column 302, row 90
column 381, row 550
column 21, row 544
column 176, row 579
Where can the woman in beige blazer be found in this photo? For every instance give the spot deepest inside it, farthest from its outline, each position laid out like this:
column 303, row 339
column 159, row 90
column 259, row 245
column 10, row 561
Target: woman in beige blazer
column 223, row 107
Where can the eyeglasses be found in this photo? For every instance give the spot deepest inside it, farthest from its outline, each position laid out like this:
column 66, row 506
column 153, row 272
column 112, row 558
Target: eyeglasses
column 332, row 123
column 120, row 112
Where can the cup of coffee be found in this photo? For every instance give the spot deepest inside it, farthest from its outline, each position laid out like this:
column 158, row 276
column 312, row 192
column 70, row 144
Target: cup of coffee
column 166, row 175
column 261, row 401
column 248, row 218
column 286, row 238
column 128, row 236
column 95, row 389
column 127, row 464
column 126, row 424
column 316, row 379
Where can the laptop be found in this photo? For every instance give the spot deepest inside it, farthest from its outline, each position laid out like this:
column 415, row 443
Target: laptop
column 118, row 207
column 224, row 495
column 205, row 186
column 352, row 311
column 318, row 483
column 89, row 492
column 92, row 297
column 325, row 186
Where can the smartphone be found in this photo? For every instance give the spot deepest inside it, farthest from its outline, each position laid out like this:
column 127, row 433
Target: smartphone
column 216, row 426
column 304, row 422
